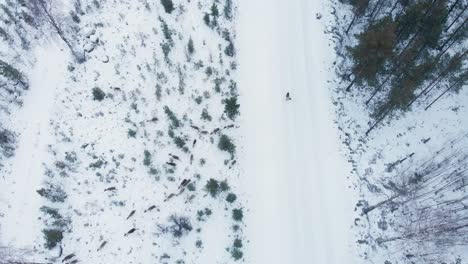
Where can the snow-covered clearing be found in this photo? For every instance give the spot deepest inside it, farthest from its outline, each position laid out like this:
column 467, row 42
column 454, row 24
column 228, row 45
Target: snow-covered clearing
column 300, row 204
column 33, row 123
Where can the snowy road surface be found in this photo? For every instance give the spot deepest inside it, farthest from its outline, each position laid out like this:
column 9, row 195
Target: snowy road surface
column 296, row 180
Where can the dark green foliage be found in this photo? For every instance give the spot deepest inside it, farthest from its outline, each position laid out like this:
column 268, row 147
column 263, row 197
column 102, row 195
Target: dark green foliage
column 75, row 17
column 97, row 4
column 237, row 214
column 212, row 187
column 375, row 48
column 7, row 142
column 166, row 31
column 199, row 244
column 190, row 47
column 230, row 50
column 148, row 158
column 231, row 107
column 228, row 10
column 53, row 193
column 166, row 49
column 98, row 94
column 51, row 211
column 4, row 34
column 225, row 144
column 97, row 164
column 207, row 19
column 214, row 10
column 224, row 186
column 191, row 187
column 175, row 123
column 231, row 197
column 179, row 226
column 180, row 142
column 9, row 72
column 236, row 254
column 131, row 133
column 237, row 243
column 205, row 115
column 168, row 6
column 52, row 237
column 28, row 19
column 403, row 89
column 430, row 24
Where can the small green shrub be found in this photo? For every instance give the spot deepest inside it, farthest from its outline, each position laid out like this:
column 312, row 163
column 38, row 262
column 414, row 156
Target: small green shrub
column 191, row 187
column 52, row 237
column 231, row 107
column 206, row 116
column 98, row 94
column 207, row 19
column 190, row 46
column 224, row 186
column 237, row 243
column 180, row 142
column 212, row 187
column 236, row 254
column 231, row 197
column 53, row 193
column 168, row 6
column 199, row 244
column 214, row 10
column 131, row 133
column 13, row 74
column 225, row 144
column 175, row 123
column 237, row 214
column 147, row 160
column 230, row 50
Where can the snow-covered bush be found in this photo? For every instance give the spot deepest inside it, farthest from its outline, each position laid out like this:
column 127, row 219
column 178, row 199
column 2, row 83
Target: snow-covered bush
column 52, row 237
column 225, row 144
column 98, row 94
column 231, row 107
column 212, row 187
column 231, row 197
column 237, row 214
column 168, row 6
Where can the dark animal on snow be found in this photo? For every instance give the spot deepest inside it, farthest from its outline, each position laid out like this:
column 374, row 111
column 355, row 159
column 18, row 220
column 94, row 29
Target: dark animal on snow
column 215, row 131
column 194, row 142
column 130, row 231
column 171, row 164
column 184, row 183
column 102, row 245
column 174, row 156
column 131, row 214
column 150, row 208
column 68, row 257
column 110, row 189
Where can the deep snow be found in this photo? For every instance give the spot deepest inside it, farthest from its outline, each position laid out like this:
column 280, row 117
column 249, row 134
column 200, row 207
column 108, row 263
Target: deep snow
column 32, row 121
column 299, row 200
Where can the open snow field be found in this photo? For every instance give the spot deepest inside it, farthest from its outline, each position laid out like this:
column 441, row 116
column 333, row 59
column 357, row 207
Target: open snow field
column 300, row 206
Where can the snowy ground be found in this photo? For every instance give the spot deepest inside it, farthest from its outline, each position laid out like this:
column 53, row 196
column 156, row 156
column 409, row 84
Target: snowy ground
column 32, row 122
column 300, row 204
